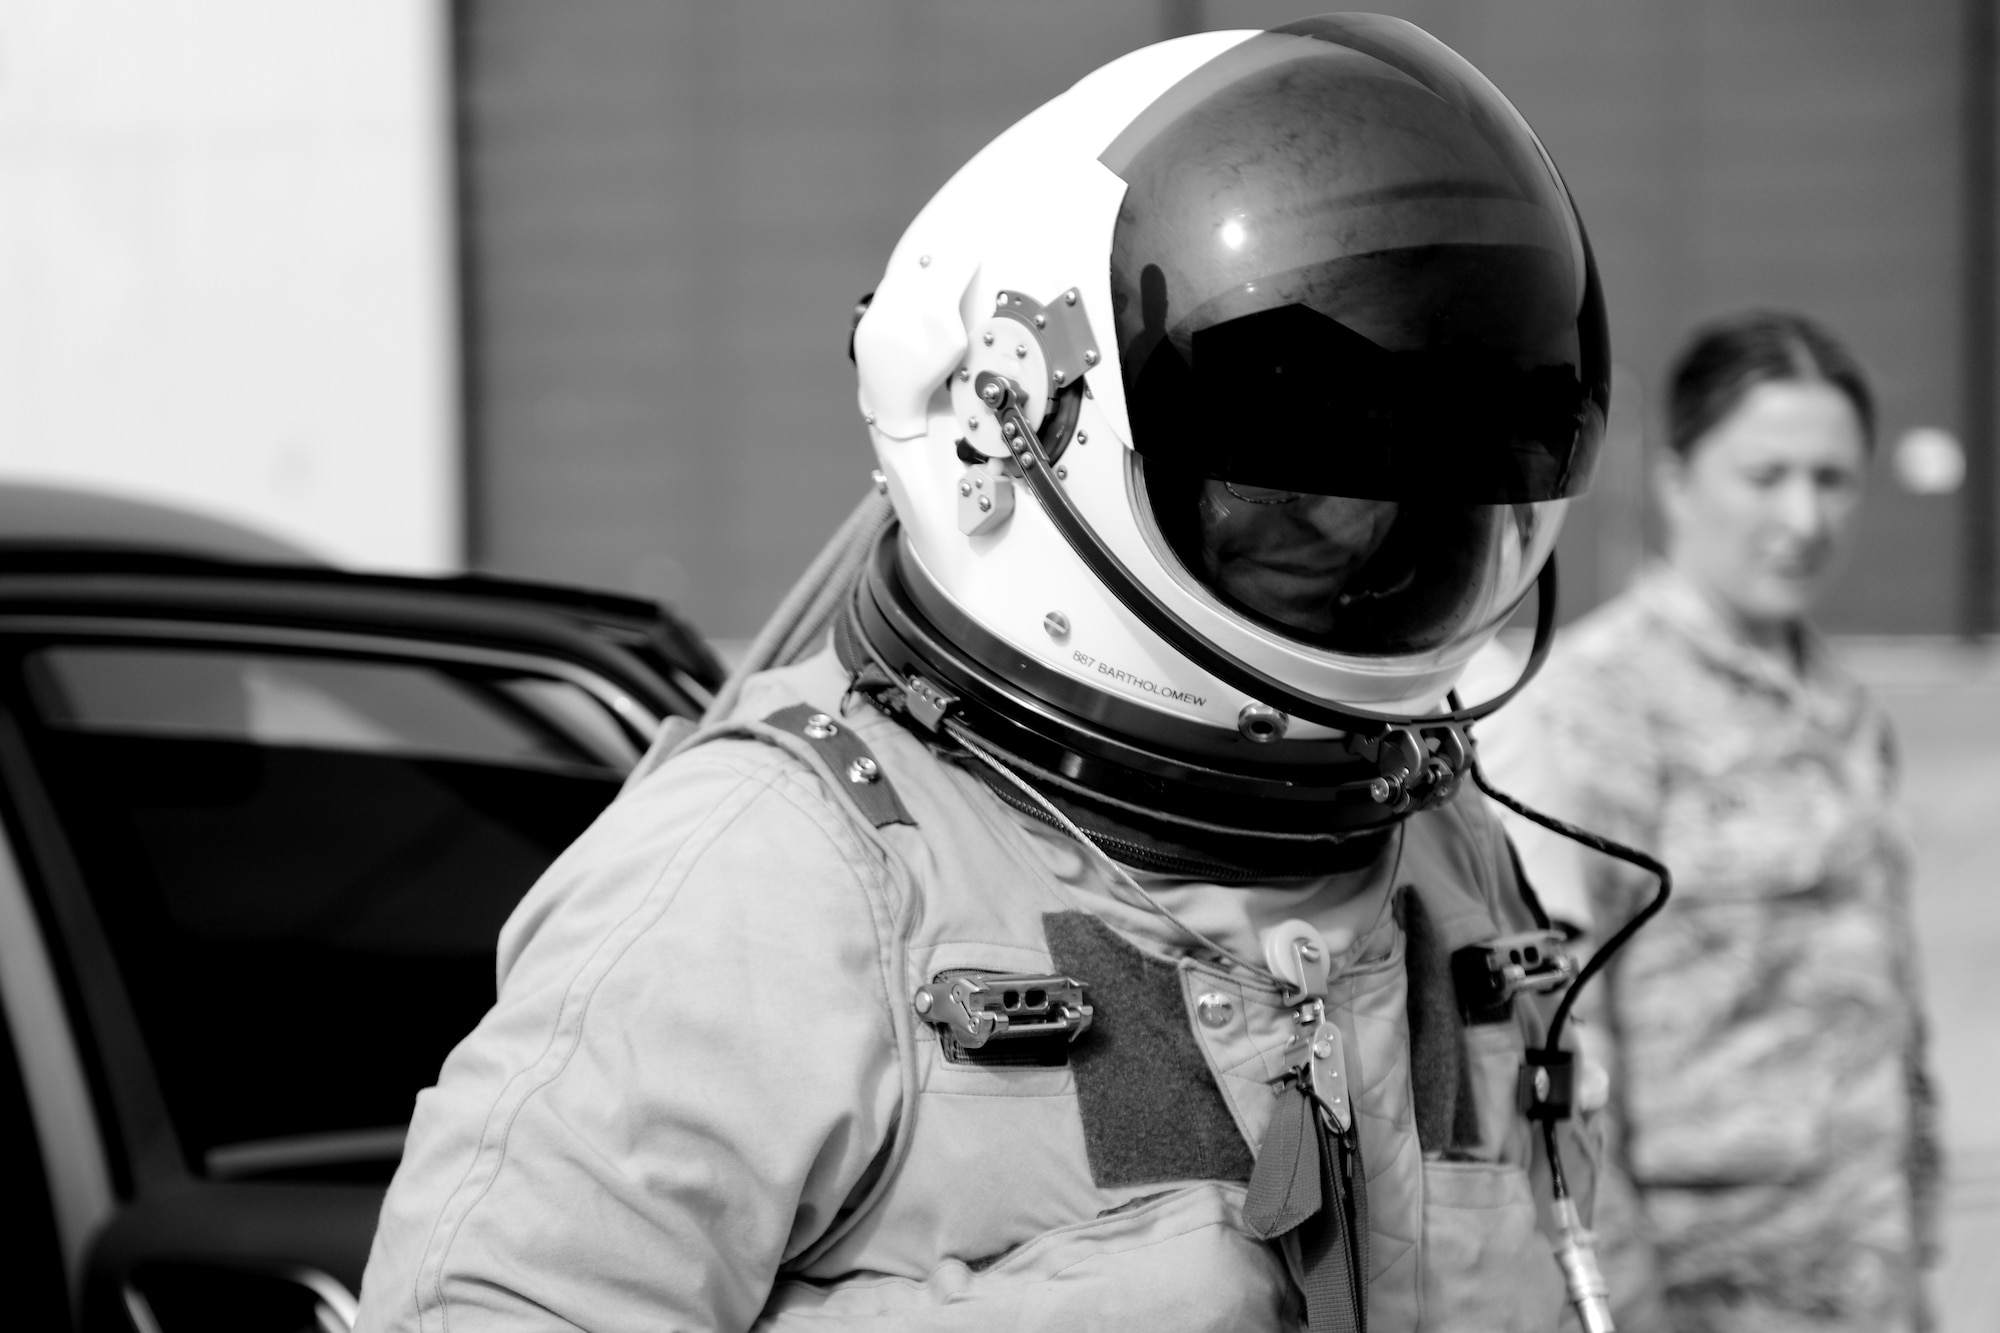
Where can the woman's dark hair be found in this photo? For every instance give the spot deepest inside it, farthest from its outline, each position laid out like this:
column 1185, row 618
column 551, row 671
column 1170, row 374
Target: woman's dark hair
column 1725, row 360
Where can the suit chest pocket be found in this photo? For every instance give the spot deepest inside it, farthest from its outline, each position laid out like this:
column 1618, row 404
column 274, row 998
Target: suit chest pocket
column 1485, row 1266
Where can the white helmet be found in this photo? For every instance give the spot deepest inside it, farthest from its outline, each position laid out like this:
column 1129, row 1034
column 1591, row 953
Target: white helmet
column 1230, row 402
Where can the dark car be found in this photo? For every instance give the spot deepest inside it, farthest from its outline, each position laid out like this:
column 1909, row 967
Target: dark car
column 263, row 821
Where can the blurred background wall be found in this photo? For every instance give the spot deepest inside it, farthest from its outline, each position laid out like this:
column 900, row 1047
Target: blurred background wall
column 562, row 290
column 225, row 264
column 669, row 210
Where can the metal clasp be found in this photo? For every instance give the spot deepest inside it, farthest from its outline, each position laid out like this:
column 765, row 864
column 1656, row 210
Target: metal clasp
column 1299, row 957
column 927, row 702
column 1417, row 767
column 1488, row 976
column 970, row 1009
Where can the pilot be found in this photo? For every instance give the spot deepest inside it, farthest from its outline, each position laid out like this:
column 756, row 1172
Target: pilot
column 1102, row 931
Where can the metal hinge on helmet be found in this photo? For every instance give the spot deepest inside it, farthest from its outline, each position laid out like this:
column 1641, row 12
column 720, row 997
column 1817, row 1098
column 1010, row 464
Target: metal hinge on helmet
column 1040, row 349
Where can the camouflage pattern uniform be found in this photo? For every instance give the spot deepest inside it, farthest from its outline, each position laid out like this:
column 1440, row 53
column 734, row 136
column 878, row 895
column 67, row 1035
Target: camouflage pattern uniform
column 1765, row 1031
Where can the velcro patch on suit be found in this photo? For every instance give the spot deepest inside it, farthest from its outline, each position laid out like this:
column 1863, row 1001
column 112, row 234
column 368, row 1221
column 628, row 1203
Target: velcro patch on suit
column 1440, row 1074
column 1151, row 1110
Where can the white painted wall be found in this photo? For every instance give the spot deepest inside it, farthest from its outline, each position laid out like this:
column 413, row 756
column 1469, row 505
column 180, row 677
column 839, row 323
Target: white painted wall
column 225, row 264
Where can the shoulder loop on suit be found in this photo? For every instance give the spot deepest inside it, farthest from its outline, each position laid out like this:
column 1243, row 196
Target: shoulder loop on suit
column 818, row 737
column 850, row 765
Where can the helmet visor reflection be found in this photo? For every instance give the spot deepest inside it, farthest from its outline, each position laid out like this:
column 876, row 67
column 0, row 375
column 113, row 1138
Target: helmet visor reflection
column 1350, row 574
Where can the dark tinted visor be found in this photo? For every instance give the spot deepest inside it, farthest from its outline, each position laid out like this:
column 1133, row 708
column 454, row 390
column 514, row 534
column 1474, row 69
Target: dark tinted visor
column 1344, row 266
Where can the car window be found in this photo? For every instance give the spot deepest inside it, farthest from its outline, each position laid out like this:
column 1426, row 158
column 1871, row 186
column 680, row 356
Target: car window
column 326, row 703
column 302, row 864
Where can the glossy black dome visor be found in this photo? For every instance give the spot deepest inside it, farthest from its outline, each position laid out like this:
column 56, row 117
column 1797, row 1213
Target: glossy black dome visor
column 1344, row 266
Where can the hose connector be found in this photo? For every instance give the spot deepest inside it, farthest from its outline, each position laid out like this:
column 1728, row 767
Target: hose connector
column 1576, row 1253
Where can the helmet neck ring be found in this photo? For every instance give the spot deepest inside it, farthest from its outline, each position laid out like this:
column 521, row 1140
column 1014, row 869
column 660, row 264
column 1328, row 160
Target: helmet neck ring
column 1261, row 804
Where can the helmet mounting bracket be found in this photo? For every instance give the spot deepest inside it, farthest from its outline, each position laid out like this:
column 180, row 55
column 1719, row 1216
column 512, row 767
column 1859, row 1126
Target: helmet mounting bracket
column 1040, row 349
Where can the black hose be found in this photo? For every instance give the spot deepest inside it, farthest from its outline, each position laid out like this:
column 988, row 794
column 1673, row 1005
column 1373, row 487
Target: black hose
column 1574, row 1251
column 1597, row 843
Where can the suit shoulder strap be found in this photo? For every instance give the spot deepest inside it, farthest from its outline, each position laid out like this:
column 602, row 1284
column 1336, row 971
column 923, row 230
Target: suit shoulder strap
column 845, row 761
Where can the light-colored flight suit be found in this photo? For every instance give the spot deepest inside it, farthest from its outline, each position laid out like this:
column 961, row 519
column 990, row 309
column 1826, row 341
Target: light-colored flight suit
column 703, row 1099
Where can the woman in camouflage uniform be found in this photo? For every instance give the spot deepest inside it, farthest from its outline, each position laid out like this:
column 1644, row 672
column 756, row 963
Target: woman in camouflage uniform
column 1776, row 1117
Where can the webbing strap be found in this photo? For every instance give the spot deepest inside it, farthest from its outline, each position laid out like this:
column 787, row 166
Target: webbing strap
column 1308, row 1194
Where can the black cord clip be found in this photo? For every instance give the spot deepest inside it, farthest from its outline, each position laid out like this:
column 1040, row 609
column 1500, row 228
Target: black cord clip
column 1547, row 1086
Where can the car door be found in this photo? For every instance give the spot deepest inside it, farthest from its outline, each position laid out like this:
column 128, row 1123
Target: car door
column 262, row 830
